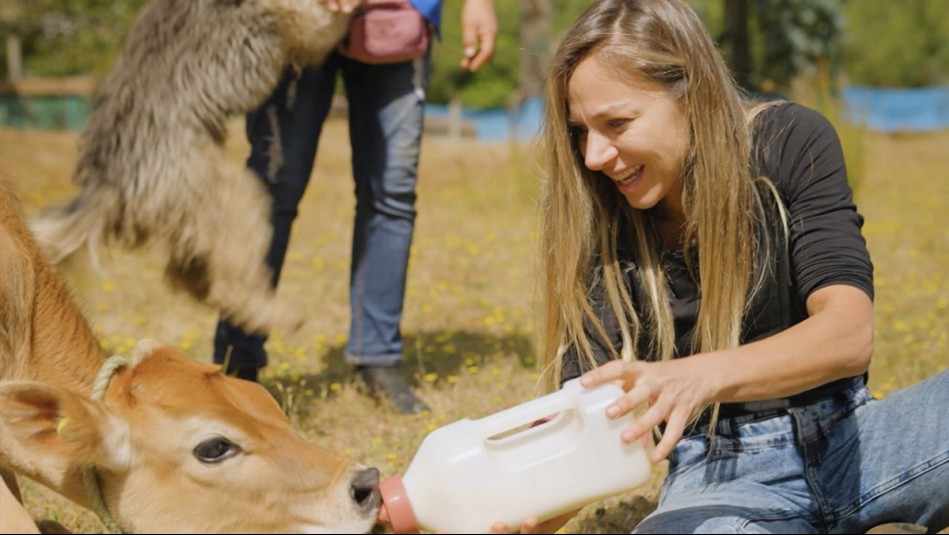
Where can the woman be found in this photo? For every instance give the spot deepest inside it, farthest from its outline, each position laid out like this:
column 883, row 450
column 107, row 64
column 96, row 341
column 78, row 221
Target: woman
column 704, row 252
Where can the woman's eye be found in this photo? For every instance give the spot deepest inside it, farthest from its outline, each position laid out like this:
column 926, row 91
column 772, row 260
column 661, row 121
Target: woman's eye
column 215, row 450
column 616, row 124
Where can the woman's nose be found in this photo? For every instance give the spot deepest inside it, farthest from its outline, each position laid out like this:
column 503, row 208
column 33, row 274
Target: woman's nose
column 597, row 151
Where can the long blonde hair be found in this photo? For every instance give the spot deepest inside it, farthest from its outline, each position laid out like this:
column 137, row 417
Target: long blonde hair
column 583, row 217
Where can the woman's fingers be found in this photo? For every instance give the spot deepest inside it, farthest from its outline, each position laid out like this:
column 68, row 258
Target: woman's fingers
column 675, row 427
column 530, row 525
column 615, row 370
column 499, row 527
column 669, row 389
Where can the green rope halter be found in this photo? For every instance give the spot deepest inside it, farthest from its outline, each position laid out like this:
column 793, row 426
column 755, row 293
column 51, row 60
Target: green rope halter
column 89, row 478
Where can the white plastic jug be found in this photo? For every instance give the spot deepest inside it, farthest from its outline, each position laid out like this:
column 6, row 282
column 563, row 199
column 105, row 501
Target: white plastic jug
column 506, row 467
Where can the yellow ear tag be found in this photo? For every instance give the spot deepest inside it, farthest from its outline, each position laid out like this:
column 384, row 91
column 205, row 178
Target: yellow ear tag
column 61, row 425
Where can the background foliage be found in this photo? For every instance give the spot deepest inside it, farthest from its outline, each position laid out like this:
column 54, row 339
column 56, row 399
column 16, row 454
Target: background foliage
column 865, row 42
column 897, row 44
column 62, row 37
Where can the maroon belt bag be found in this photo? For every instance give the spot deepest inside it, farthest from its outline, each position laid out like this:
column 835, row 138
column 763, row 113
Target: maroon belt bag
column 386, row 31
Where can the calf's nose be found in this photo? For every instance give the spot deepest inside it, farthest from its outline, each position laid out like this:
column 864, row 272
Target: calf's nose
column 365, row 489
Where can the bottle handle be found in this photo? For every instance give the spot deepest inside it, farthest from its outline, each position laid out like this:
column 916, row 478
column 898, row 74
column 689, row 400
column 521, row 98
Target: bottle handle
column 527, row 413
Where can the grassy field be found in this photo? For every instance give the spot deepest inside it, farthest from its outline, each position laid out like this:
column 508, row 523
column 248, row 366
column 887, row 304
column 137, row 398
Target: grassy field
column 470, row 318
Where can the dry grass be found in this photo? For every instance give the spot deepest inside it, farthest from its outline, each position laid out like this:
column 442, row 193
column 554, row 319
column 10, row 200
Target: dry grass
column 469, row 320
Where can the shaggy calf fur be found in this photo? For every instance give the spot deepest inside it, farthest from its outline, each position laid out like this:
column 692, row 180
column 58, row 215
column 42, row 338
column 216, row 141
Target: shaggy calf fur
column 152, row 169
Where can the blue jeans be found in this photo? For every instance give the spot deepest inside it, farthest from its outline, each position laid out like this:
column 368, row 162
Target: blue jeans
column 386, row 113
column 842, row 465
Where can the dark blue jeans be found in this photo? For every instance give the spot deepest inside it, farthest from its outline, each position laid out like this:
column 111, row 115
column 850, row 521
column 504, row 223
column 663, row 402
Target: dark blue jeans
column 842, row 465
column 386, row 113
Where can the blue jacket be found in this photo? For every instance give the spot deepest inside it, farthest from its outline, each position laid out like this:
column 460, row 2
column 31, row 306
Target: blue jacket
column 432, row 11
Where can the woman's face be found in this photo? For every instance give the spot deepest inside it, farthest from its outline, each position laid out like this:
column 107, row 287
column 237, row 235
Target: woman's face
column 634, row 134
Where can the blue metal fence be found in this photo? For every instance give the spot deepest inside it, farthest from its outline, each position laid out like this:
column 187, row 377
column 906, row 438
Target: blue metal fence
column 898, row 110
column 886, row 110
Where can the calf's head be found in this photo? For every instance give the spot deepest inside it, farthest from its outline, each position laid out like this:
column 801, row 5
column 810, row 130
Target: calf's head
column 177, row 447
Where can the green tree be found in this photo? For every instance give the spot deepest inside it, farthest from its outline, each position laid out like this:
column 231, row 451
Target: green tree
column 61, row 37
column 535, row 47
column 495, row 83
column 869, row 42
column 499, row 83
column 797, row 38
column 768, row 43
column 872, row 42
column 897, row 44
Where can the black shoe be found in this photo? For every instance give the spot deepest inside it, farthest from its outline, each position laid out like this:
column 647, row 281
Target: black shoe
column 386, row 382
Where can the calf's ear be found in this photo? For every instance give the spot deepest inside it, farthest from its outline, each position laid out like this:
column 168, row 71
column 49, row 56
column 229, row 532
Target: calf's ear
column 43, row 423
column 143, row 348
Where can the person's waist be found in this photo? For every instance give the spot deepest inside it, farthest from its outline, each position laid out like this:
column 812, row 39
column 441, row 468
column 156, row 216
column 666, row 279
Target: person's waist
column 809, row 397
column 752, row 410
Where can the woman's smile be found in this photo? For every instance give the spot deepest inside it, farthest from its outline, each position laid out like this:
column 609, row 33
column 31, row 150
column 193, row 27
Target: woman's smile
column 627, row 179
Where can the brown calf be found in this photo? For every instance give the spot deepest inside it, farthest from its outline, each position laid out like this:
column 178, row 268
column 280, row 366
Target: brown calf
column 175, row 446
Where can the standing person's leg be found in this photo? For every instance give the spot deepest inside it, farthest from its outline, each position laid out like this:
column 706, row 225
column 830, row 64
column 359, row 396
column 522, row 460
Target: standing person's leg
column 283, row 134
column 386, row 113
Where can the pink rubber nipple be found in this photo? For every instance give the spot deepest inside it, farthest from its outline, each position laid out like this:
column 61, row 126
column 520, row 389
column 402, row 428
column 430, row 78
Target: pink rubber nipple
column 396, row 508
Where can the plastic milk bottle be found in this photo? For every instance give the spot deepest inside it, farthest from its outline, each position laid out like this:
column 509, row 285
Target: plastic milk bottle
column 506, row 467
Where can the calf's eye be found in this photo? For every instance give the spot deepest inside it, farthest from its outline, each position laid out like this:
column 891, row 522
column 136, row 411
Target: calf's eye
column 215, row 450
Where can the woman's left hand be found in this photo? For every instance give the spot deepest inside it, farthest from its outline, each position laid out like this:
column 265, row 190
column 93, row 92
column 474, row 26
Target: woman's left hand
column 675, row 391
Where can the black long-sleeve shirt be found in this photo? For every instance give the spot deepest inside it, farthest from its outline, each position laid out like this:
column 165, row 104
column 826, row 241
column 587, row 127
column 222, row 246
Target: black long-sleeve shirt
column 799, row 151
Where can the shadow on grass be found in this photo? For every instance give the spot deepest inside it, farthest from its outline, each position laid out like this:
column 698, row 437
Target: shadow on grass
column 618, row 516
column 442, row 353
